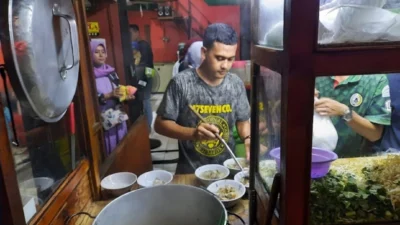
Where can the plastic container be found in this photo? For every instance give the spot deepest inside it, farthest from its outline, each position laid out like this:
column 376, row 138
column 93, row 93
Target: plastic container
column 321, row 161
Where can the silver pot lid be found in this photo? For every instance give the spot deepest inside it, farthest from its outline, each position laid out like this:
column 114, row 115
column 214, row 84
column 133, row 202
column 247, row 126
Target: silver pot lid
column 39, row 40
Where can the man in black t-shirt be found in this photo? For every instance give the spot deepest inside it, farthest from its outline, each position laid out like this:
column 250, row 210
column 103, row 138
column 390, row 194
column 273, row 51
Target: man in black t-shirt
column 216, row 94
column 145, row 61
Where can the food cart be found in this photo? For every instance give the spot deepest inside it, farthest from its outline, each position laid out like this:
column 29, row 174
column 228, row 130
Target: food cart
column 46, row 176
column 288, row 54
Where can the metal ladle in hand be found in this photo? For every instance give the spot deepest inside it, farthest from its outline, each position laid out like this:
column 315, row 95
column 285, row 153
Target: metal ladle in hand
column 220, row 139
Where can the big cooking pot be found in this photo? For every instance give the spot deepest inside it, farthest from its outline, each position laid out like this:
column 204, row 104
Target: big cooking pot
column 39, row 40
column 164, row 205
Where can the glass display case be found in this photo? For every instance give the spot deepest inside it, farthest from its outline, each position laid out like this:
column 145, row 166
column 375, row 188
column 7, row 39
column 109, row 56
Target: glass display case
column 358, row 22
column 270, row 19
column 50, row 141
column 341, row 23
column 269, row 123
column 43, row 152
column 326, row 158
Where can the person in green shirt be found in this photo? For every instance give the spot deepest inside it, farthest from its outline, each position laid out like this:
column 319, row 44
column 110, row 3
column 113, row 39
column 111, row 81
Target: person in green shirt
column 359, row 107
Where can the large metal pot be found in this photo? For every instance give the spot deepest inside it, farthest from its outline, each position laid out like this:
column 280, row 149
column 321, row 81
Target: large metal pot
column 39, row 40
column 164, row 205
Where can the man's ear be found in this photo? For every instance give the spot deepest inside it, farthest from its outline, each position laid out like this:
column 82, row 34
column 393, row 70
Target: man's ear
column 203, row 53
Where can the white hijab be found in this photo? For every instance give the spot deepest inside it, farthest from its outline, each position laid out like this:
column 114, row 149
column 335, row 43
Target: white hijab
column 193, row 55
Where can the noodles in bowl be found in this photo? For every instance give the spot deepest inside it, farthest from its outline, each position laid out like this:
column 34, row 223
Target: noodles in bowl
column 228, row 191
column 211, row 172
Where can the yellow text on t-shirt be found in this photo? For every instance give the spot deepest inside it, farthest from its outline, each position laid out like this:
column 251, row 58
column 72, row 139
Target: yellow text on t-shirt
column 211, row 109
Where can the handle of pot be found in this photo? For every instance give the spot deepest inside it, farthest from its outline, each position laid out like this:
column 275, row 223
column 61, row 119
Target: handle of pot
column 275, row 190
column 73, row 30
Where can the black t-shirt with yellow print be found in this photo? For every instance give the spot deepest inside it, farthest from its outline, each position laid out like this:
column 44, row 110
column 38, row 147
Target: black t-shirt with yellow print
column 222, row 106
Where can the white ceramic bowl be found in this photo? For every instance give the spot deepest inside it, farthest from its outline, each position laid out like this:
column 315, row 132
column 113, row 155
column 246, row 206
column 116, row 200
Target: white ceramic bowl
column 230, row 162
column 38, row 183
column 222, row 169
column 118, row 183
column 148, row 179
column 239, row 188
column 239, row 176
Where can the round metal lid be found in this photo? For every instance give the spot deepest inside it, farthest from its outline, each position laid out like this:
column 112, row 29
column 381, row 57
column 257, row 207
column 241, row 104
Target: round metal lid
column 40, row 45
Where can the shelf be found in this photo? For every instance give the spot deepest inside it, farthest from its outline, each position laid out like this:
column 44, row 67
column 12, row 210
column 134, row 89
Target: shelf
column 170, row 18
column 267, row 57
column 373, row 61
column 338, row 61
column 358, row 46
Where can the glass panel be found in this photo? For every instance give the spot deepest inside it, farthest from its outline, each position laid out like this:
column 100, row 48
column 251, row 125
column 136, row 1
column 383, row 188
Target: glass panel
column 358, row 21
column 116, row 94
column 362, row 185
column 43, row 156
column 270, row 123
column 270, row 23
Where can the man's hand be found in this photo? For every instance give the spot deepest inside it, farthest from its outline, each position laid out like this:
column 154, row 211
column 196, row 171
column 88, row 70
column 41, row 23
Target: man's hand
column 316, row 93
column 205, row 132
column 329, row 107
column 263, row 149
column 262, row 126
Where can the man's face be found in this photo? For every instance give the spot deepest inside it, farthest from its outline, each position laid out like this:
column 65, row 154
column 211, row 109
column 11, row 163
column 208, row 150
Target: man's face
column 134, row 35
column 219, row 58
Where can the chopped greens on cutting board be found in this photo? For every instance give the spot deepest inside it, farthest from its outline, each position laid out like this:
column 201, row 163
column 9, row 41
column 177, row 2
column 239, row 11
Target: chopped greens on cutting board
column 367, row 193
column 355, row 191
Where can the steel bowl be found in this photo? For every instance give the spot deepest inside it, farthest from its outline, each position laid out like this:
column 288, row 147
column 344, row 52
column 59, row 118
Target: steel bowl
column 166, row 205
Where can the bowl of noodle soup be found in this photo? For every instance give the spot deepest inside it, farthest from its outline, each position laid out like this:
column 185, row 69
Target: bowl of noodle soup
column 211, row 172
column 229, row 192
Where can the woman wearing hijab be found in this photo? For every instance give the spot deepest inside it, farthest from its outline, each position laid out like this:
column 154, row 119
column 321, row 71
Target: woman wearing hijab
column 182, row 55
column 193, row 57
column 109, row 92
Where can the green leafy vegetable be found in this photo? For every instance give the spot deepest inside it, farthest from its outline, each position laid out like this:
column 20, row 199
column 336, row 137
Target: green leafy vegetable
column 338, row 199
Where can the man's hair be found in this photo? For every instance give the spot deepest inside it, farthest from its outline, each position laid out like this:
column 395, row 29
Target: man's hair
column 134, row 27
column 219, row 32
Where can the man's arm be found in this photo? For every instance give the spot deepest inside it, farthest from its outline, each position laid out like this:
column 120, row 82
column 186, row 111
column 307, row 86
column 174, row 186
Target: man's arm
column 242, row 117
column 243, row 128
column 365, row 128
column 362, row 126
column 173, row 130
